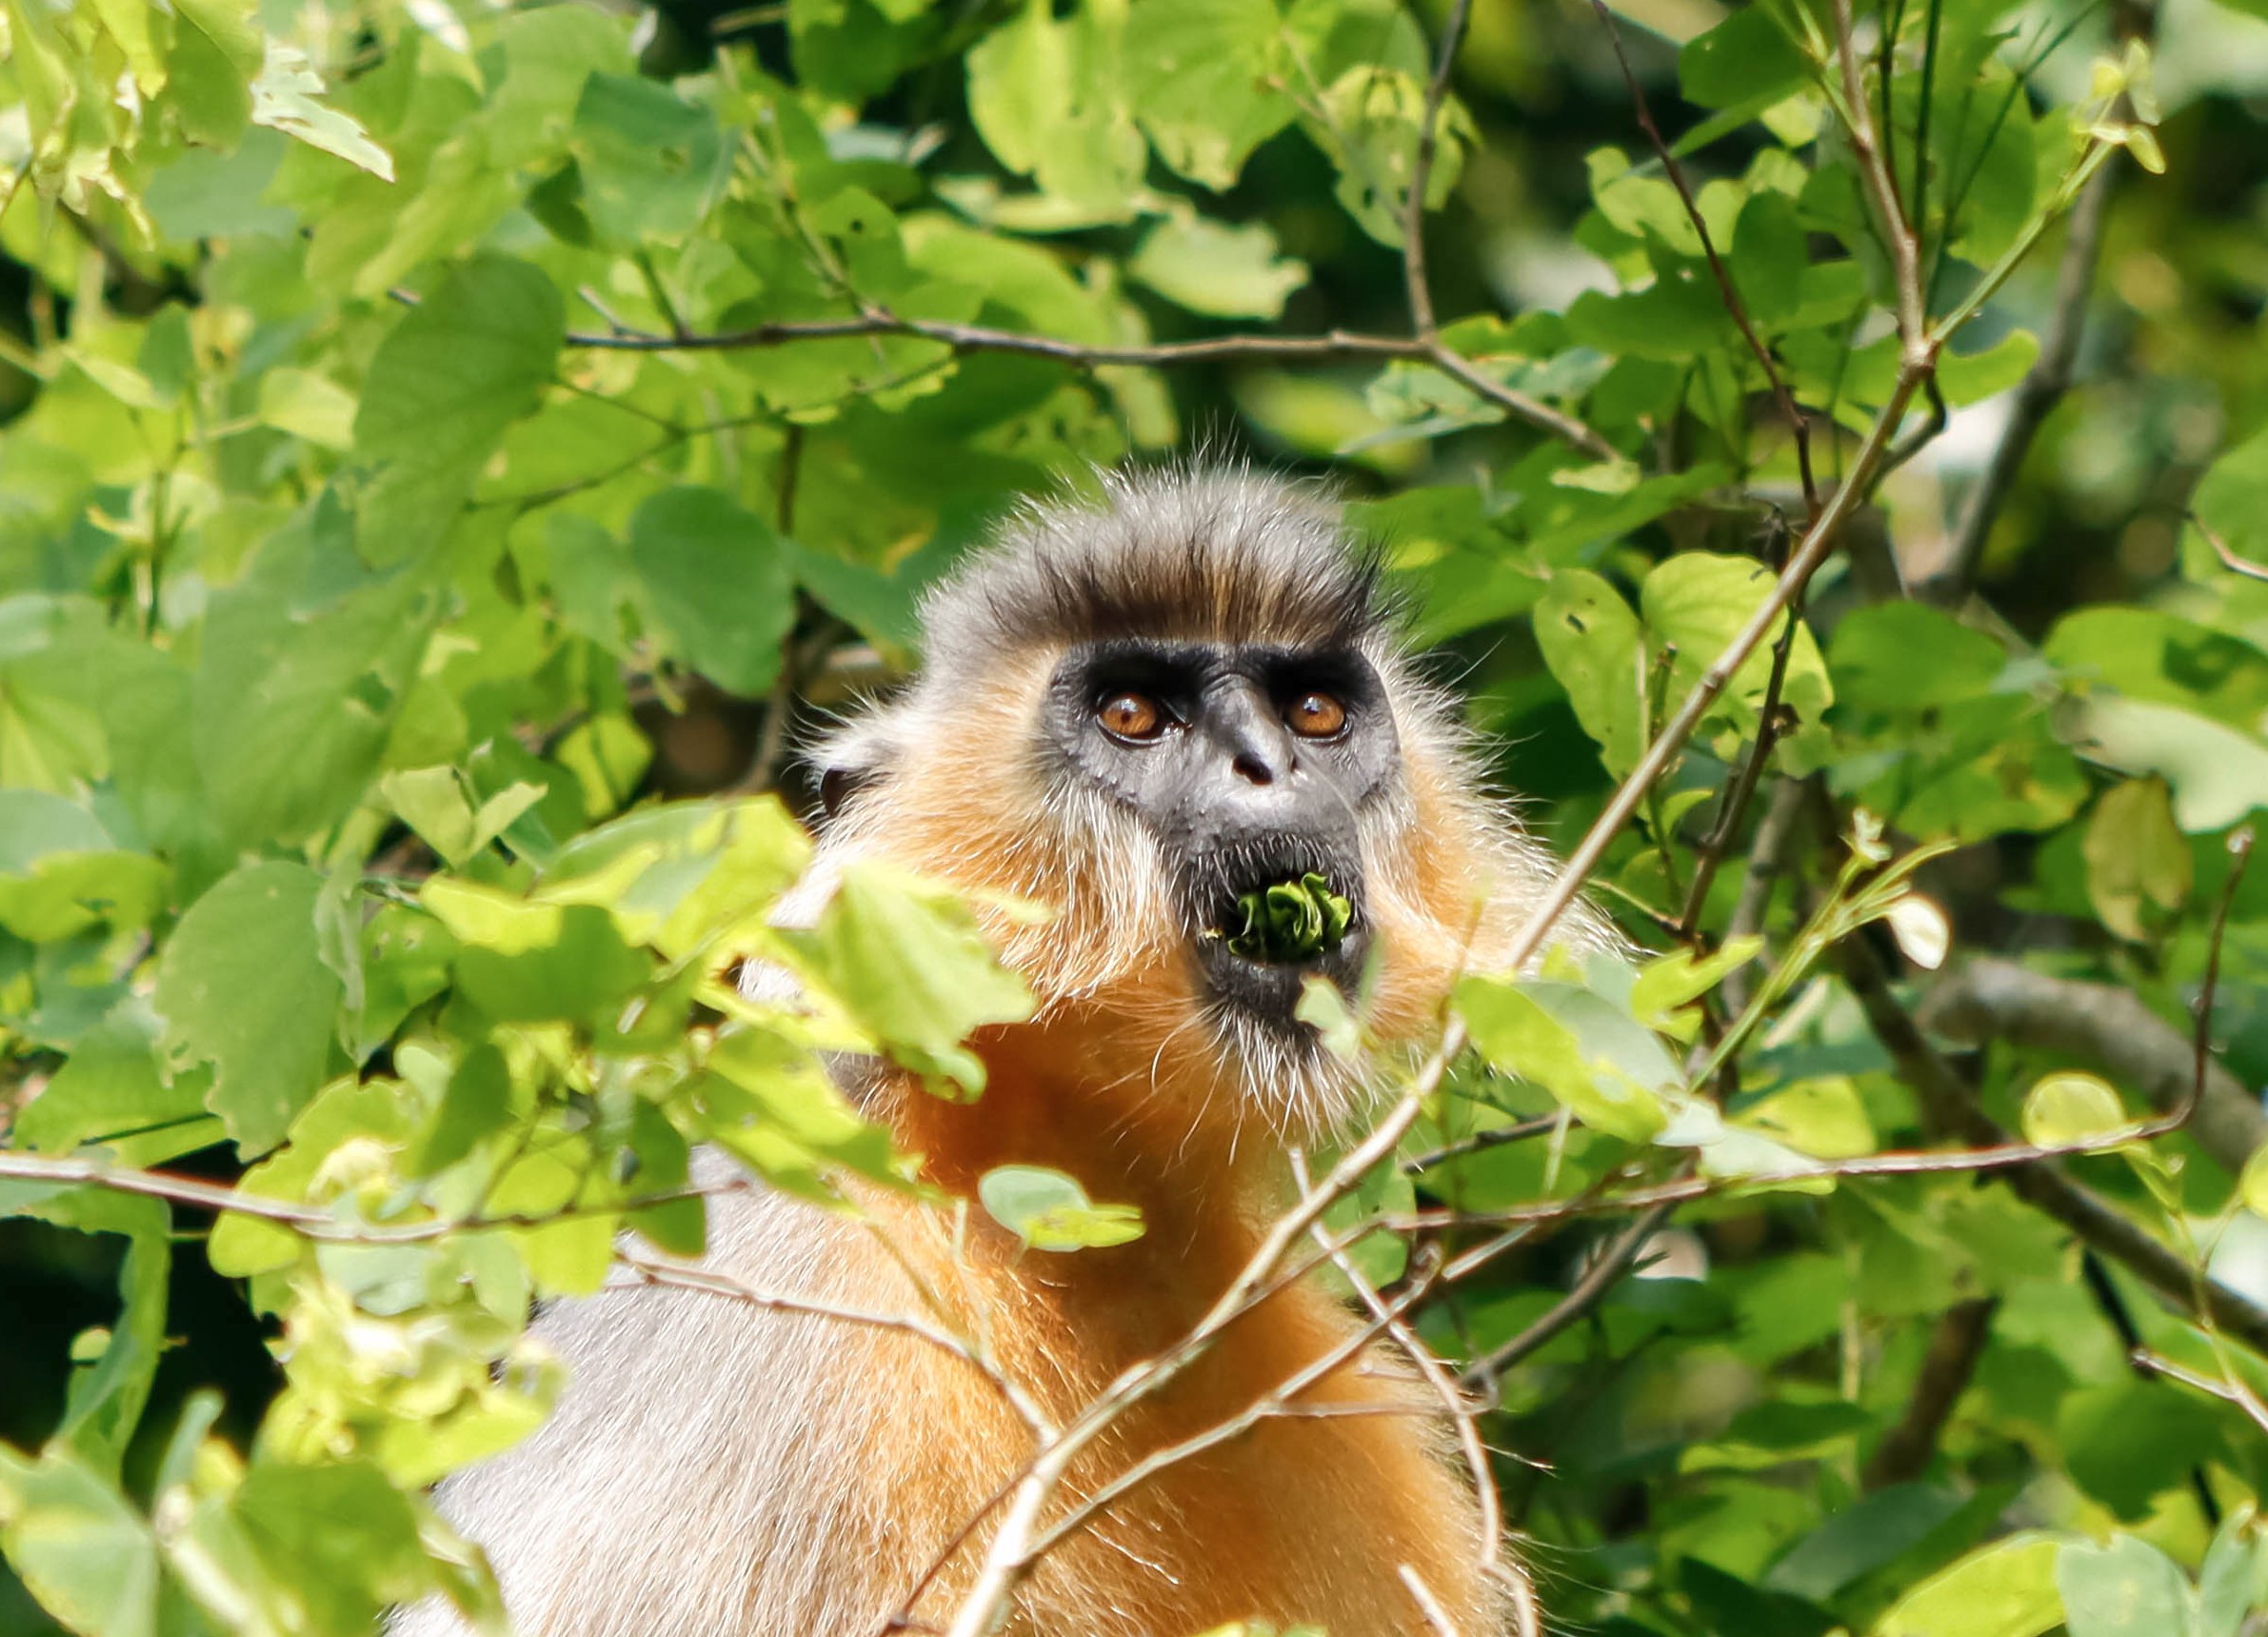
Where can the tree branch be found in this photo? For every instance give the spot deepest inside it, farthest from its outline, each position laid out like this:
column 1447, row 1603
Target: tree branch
column 1991, row 999
column 1955, row 1344
column 1947, row 1100
column 978, row 338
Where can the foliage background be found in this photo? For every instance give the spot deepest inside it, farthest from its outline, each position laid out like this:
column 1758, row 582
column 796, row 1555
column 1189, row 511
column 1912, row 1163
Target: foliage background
column 387, row 544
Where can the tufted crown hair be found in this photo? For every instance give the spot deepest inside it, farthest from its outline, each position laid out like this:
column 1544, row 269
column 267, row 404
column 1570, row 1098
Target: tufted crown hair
column 1194, row 553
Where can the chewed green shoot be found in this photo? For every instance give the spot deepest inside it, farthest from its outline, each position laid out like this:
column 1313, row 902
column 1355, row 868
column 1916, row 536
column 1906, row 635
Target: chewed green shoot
column 1289, row 921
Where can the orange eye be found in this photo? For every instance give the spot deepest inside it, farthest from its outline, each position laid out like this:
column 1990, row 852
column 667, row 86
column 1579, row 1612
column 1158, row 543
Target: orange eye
column 1131, row 715
column 1314, row 715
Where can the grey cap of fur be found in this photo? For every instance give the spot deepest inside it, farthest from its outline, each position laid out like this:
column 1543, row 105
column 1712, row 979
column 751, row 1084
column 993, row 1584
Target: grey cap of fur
column 1195, row 553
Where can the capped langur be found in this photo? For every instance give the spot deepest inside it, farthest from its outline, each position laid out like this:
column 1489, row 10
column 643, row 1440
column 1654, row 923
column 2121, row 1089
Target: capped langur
column 1143, row 711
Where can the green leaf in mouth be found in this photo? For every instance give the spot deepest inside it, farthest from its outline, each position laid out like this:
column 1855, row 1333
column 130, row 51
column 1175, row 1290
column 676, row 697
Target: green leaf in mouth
column 1290, row 921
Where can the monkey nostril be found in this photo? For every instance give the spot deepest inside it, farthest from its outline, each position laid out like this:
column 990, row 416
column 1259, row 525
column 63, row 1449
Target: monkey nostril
column 1254, row 769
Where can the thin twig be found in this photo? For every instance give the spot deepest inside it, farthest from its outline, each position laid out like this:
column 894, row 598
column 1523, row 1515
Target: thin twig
column 1604, row 1272
column 1947, row 1100
column 310, row 1222
column 1480, row 1142
column 1464, row 1417
column 1917, row 351
column 978, row 338
column 1819, row 539
column 1994, row 999
column 2227, row 1391
column 1734, row 306
column 1420, row 173
column 1437, row 1618
column 2229, row 559
column 1734, row 806
column 650, row 1272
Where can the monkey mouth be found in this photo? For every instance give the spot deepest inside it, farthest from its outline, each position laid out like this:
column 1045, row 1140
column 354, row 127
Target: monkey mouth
column 1272, row 916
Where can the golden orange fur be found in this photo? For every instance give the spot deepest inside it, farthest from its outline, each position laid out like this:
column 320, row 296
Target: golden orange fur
column 738, row 1473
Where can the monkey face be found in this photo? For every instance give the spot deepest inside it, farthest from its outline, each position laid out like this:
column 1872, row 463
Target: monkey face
column 1250, row 766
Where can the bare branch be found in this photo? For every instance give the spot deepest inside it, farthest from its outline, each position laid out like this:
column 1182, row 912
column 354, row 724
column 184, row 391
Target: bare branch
column 1993, row 999
column 313, row 1221
column 1819, row 539
column 1437, row 1618
column 1917, row 348
column 1519, row 1131
column 1018, row 1543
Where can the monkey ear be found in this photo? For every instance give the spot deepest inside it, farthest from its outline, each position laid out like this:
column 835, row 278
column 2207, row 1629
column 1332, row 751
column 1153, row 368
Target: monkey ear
column 837, row 786
column 852, row 758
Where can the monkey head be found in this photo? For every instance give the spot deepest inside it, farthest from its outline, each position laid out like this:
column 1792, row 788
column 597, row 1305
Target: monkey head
column 1145, row 711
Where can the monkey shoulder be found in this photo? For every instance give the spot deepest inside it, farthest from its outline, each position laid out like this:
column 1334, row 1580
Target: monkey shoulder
column 701, row 1470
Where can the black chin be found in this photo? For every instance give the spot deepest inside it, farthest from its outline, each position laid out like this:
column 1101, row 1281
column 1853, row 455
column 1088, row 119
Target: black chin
column 1268, row 992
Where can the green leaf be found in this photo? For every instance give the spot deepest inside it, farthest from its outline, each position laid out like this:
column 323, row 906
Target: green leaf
column 106, row 1392
column 1901, row 658
column 60, row 873
column 2154, row 655
column 1050, row 98
column 216, row 52
column 113, row 1087
column 2253, row 1186
column 1671, row 981
column 2138, row 865
column 911, row 965
column 2071, row 1107
column 2005, row 1590
column 1861, row 1538
column 2231, row 499
column 82, row 1551
column 650, row 162
column 1213, row 269
column 241, row 985
column 1597, row 1060
column 1748, row 61
column 2219, row 776
column 521, row 962
column 1591, row 641
column 719, row 585
column 304, row 665
column 2128, row 1443
column 1049, row 1210
column 283, row 98
column 1199, row 75
column 462, row 365
column 1699, row 601
column 2127, row 1589
column 1290, row 921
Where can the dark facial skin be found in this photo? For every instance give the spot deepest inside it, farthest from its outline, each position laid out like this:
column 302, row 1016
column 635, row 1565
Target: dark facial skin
column 1250, row 764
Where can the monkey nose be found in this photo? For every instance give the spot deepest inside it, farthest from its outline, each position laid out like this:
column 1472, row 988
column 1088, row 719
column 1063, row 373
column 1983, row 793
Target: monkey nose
column 1258, row 746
